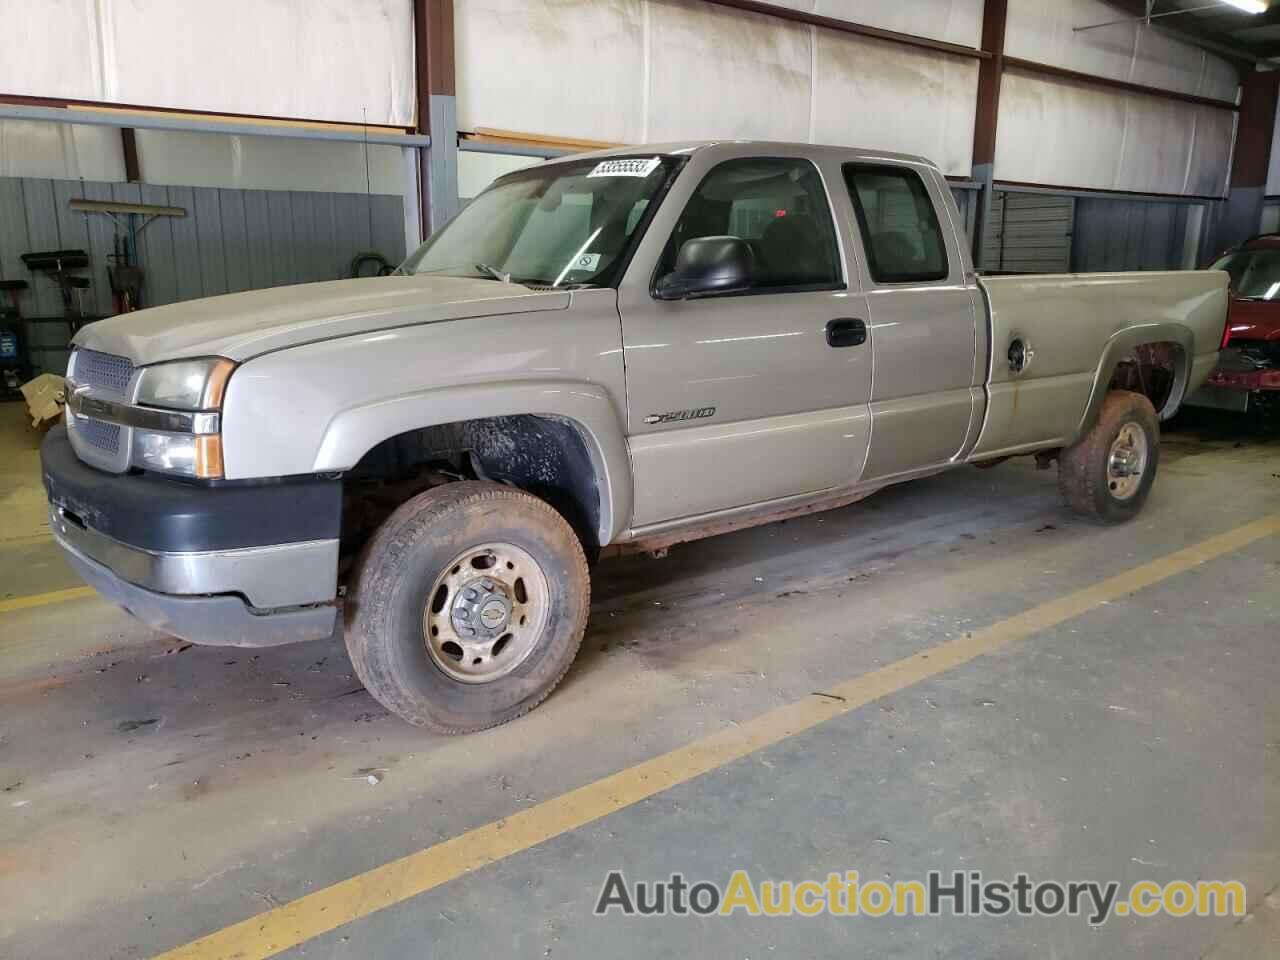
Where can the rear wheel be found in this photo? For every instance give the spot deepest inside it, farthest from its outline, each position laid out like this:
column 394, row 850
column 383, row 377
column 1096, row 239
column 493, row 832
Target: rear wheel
column 1107, row 474
column 467, row 607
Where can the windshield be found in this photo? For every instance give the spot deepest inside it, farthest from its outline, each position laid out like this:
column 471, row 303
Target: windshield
column 563, row 225
column 1255, row 274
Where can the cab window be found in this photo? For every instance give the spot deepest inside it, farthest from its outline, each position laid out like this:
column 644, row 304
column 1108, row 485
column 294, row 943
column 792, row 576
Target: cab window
column 779, row 207
column 899, row 225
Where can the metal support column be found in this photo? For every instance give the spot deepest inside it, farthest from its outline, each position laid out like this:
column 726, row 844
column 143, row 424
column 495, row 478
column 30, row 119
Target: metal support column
column 413, row 233
column 990, row 73
column 1241, row 215
column 437, row 112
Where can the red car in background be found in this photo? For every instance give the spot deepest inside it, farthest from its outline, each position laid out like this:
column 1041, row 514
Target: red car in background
column 1247, row 377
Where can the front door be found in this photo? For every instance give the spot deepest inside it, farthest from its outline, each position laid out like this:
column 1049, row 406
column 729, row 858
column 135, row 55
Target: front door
column 742, row 398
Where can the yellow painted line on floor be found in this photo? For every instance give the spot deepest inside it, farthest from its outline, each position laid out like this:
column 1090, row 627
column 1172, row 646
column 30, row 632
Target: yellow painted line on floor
column 43, row 599
column 281, row 928
column 26, row 539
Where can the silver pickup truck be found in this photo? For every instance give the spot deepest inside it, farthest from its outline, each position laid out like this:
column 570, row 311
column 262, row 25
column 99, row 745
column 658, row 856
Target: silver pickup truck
column 610, row 352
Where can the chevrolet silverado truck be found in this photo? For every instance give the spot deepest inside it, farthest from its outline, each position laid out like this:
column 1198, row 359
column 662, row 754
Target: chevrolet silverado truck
column 611, row 352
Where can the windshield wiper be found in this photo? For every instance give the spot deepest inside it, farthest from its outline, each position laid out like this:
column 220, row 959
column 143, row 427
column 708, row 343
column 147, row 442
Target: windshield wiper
column 494, row 272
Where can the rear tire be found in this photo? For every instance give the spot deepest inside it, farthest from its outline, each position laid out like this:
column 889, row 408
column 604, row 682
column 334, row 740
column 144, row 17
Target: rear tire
column 467, row 607
column 1107, row 474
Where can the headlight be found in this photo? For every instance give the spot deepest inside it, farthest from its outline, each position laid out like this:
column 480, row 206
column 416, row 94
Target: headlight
column 185, row 384
column 183, row 454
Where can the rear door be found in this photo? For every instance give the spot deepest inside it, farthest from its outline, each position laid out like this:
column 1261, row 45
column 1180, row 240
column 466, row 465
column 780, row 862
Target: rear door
column 930, row 354
column 740, row 398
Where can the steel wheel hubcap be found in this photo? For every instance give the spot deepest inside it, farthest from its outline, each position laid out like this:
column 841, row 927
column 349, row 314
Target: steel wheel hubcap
column 486, row 612
column 1127, row 461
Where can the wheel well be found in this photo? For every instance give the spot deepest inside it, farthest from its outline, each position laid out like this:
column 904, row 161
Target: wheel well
column 1153, row 370
column 546, row 456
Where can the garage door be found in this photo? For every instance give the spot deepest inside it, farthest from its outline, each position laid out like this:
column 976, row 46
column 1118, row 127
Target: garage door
column 1028, row 233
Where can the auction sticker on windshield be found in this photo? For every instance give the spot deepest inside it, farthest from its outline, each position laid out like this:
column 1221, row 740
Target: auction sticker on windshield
column 625, row 168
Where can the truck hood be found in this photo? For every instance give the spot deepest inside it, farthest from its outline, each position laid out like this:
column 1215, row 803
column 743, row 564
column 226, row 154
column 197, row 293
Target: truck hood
column 1254, row 319
column 244, row 325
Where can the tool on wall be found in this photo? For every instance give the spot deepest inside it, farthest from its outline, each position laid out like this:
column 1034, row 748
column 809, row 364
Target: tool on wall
column 15, row 363
column 125, row 274
column 59, row 264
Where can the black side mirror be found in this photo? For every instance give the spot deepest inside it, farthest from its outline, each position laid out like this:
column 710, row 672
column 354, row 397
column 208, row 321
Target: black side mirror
column 706, row 266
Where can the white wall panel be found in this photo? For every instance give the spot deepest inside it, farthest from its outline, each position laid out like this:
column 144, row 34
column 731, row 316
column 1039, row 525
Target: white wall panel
column 1074, row 135
column 265, row 163
column 573, row 68
column 955, row 21
column 1043, row 31
column 1210, row 162
column 879, row 95
column 51, row 49
column 324, row 59
column 61, row 151
column 717, row 72
column 477, row 170
column 634, row 71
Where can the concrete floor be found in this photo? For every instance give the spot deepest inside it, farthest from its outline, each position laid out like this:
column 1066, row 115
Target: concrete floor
column 151, row 794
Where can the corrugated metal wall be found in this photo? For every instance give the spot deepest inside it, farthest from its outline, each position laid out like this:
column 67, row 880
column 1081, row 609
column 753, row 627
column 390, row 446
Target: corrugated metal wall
column 1028, row 233
column 1129, row 235
column 230, row 240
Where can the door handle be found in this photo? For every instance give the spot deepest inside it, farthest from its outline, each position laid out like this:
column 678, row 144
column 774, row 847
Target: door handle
column 846, row 332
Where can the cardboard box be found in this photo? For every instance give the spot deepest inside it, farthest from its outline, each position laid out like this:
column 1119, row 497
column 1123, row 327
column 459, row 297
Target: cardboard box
column 45, row 397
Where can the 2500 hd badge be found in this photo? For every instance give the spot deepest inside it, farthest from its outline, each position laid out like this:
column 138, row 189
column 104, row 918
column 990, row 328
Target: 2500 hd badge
column 677, row 415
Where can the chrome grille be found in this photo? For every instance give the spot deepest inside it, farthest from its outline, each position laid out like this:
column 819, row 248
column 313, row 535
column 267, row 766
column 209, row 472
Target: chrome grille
column 104, row 373
column 103, row 376
column 98, row 433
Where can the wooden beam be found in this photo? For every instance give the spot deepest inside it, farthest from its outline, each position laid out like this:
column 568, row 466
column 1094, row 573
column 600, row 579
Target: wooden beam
column 129, row 143
column 210, row 115
column 493, row 135
column 111, row 206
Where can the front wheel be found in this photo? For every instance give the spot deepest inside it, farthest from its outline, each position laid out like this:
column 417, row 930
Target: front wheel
column 468, row 606
column 1107, row 474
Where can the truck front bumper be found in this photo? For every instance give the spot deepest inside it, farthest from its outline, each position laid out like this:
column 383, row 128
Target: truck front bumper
column 227, row 564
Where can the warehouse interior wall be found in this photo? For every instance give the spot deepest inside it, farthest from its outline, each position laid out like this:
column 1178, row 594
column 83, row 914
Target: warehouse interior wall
column 33, row 148
column 626, row 71
column 641, row 71
column 230, row 240
column 952, row 21
column 1136, row 143
column 66, row 151
column 1135, row 235
column 476, row 170
column 260, row 212
column 334, row 60
column 1044, row 32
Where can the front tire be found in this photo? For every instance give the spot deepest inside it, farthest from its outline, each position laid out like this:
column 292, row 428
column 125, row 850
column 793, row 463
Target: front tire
column 467, row 607
column 1107, row 474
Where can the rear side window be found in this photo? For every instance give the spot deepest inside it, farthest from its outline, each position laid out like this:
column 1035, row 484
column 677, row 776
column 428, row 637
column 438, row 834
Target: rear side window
column 899, row 224
column 779, row 206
